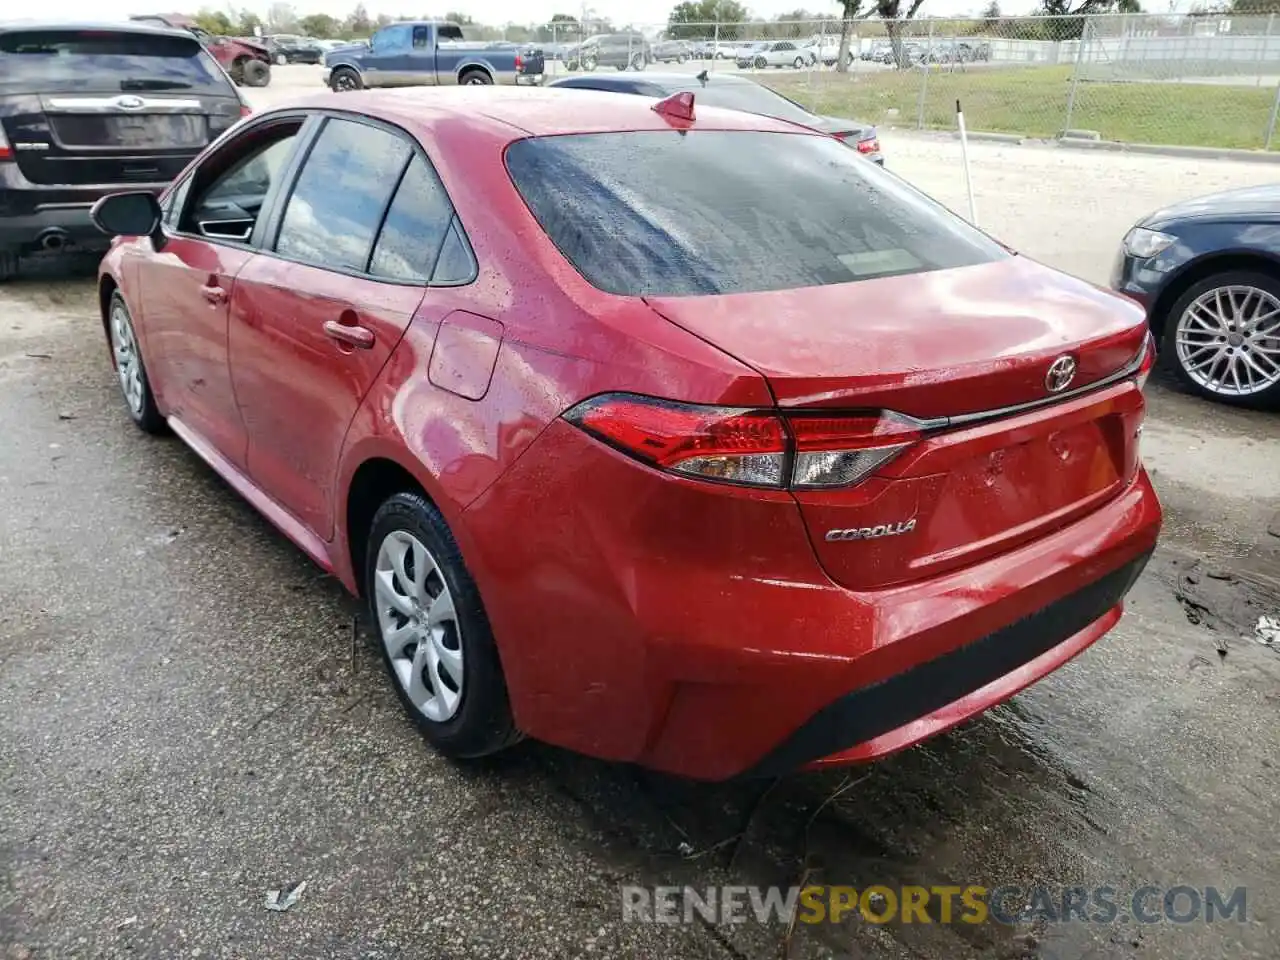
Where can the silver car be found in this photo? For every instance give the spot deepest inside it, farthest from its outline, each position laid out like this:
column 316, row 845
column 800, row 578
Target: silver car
column 776, row 53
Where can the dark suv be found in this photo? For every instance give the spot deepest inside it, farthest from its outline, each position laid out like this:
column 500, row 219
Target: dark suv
column 90, row 110
column 620, row 50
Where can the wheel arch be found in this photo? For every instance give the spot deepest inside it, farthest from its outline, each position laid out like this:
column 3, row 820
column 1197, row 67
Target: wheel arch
column 1202, row 268
column 107, row 287
column 474, row 66
column 374, row 480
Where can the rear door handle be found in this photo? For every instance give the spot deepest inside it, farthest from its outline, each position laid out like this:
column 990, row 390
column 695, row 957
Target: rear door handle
column 213, row 293
column 349, row 333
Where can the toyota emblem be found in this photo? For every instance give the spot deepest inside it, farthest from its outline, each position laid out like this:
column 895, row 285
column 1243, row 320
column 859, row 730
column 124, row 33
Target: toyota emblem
column 1061, row 372
column 130, row 102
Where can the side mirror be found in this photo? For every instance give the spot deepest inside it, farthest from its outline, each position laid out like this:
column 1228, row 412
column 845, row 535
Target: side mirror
column 135, row 214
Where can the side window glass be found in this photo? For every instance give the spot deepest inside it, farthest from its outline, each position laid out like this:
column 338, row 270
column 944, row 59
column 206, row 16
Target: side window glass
column 455, row 265
column 419, row 216
column 227, row 205
column 341, row 195
column 421, row 38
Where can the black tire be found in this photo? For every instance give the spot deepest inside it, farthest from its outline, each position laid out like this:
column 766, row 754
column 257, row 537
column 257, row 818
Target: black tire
column 590, row 64
column 8, row 266
column 482, row 723
column 1266, row 398
column 638, row 62
column 475, row 78
column 571, row 66
column 256, row 73
column 144, row 413
column 345, row 80
column 799, row 63
column 760, row 63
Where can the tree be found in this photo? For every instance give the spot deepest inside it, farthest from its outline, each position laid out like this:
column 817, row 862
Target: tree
column 890, row 11
column 1069, row 19
column 991, row 13
column 319, row 25
column 849, row 10
column 246, row 23
column 282, row 18
column 461, row 19
column 214, row 21
column 358, row 24
column 693, row 19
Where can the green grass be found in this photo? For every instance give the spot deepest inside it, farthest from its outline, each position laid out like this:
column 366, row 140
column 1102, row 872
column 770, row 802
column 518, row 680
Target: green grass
column 1032, row 102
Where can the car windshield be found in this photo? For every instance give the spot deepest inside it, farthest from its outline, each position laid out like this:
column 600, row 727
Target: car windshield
column 106, row 60
column 656, row 213
column 752, row 98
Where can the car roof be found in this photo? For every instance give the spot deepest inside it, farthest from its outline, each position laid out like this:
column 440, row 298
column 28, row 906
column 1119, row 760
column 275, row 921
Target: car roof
column 670, row 82
column 517, row 112
column 130, row 26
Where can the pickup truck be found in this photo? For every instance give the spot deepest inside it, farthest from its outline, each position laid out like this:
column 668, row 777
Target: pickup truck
column 428, row 52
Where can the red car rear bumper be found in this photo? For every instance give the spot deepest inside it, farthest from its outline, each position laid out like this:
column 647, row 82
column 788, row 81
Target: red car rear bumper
column 690, row 628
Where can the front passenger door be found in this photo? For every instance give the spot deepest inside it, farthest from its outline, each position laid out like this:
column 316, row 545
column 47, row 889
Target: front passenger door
column 187, row 285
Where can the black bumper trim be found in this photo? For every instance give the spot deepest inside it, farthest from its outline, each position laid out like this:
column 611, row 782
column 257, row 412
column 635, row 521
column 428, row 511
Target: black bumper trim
column 874, row 710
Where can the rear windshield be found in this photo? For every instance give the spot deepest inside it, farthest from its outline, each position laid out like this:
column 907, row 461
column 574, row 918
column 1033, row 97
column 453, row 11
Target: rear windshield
column 105, row 60
column 752, row 98
column 669, row 214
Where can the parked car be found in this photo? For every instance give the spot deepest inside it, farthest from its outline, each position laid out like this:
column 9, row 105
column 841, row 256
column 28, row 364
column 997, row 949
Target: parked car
column 745, row 55
column 912, row 52
column 247, row 61
column 1208, row 273
column 86, row 110
column 945, row 51
column 975, row 49
column 428, row 53
column 288, row 48
column 778, row 53
column 880, row 52
column 613, row 467
column 735, row 93
column 618, row 50
column 672, row 51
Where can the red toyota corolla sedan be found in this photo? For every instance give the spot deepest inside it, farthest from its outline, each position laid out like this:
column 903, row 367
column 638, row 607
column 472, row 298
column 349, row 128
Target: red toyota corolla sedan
column 667, row 434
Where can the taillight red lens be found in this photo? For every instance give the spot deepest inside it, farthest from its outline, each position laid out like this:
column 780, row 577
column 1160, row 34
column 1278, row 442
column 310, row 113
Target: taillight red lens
column 1148, row 362
column 716, row 443
column 6, row 151
column 871, row 145
column 749, row 447
column 245, row 110
column 519, row 63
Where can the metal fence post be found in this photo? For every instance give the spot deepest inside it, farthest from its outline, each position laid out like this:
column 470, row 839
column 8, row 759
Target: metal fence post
column 1266, row 46
column 1075, row 73
column 1271, row 124
column 924, row 80
column 715, row 46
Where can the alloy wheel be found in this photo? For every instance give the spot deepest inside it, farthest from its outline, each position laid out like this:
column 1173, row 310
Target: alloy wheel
column 344, row 82
column 419, row 626
column 128, row 363
column 1228, row 341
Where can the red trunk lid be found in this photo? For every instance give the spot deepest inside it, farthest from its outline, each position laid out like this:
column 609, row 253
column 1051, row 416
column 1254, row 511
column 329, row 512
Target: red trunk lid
column 934, row 346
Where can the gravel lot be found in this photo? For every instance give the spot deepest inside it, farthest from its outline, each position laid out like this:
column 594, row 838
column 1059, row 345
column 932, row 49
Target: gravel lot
column 185, row 722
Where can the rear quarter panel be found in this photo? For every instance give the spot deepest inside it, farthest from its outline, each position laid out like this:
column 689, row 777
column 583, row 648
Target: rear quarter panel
column 498, row 63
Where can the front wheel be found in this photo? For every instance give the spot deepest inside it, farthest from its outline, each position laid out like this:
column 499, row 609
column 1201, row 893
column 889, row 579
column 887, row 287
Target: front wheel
column 344, row 80
column 130, row 370
column 589, row 64
column 281, row 59
column 682, row 59
column 760, row 63
column 638, row 62
column 436, row 640
column 1223, row 338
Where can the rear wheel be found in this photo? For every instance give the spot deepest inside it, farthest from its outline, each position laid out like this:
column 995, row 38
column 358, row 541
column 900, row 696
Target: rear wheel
column 637, row 62
column 760, row 63
column 344, row 80
column 799, row 63
column 1223, row 338
column 475, row 78
column 257, row 73
column 589, row 64
column 436, row 640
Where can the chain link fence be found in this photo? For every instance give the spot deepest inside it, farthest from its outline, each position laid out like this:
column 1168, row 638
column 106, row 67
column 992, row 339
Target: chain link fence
column 1189, row 80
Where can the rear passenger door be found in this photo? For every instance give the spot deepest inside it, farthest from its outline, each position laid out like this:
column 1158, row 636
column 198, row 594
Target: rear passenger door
column 351, row 250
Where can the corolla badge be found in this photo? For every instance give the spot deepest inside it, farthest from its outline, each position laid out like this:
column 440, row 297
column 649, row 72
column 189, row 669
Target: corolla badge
column 872, row 533
column 130, row 102
column 1060, row 374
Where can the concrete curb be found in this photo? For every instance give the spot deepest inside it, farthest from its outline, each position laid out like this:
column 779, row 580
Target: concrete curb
column 1114, row 146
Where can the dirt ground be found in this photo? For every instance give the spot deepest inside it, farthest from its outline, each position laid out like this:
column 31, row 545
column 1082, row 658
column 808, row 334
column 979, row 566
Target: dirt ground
column 186, row 724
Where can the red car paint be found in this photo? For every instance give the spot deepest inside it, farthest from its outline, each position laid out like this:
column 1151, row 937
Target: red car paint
column 641, row 615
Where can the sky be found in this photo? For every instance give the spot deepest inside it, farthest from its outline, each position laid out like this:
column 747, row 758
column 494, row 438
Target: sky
column 495, row 12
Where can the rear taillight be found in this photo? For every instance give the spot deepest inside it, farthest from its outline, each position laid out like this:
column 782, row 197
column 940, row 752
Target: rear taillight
column 749, row 447
column 870, row 145
column 1148, row 361
column 6, row 151
column 519, row 63
column 245, row 110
